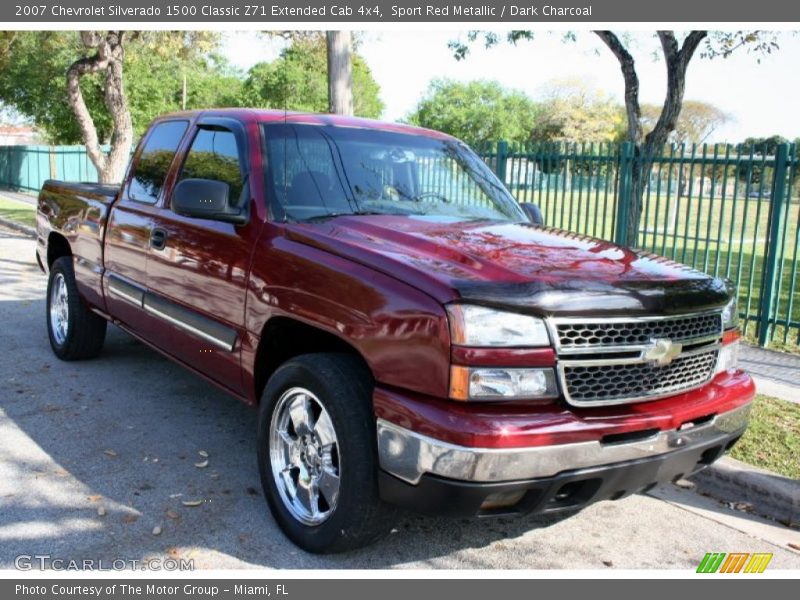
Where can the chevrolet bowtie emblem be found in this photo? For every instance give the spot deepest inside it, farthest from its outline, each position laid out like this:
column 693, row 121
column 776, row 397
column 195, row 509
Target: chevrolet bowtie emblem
column 662, row 352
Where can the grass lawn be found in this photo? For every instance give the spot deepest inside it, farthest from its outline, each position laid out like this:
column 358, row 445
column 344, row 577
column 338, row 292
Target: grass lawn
column 18, row 211
column 772, row 441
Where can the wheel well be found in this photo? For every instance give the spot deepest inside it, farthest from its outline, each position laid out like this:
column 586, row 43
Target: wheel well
column 283, row 338
column 57, row 246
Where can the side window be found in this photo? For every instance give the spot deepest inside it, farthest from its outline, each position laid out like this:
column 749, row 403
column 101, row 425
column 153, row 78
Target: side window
column 214, row 155
column 155, row 159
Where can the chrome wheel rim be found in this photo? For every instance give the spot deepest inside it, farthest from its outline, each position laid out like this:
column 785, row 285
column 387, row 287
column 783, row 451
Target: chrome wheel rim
column 304, row 456
column 59, row 309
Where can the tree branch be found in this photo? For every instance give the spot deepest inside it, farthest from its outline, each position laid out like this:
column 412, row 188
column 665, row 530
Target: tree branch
column 628, row 66
column 81, row 67
column 108, row 57
column 677, row 60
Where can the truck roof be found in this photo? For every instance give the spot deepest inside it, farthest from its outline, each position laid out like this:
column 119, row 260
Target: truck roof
column 263, row 115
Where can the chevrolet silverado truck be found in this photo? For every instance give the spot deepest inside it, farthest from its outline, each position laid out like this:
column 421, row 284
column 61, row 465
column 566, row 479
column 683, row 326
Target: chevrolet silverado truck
column 410, row 334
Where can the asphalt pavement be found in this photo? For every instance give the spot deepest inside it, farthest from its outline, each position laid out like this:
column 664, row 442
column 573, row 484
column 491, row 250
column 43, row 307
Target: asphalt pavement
column 97, row 459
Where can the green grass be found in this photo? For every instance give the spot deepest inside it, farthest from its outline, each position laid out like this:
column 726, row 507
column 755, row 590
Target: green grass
column 18, row 212
column 772, row 440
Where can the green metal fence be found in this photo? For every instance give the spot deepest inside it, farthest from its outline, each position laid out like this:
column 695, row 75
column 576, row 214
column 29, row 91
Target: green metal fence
column 27, row 167
column 720, row 209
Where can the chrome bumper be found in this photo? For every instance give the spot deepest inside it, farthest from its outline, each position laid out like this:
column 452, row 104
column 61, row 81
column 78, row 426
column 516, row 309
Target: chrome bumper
column 408, row 455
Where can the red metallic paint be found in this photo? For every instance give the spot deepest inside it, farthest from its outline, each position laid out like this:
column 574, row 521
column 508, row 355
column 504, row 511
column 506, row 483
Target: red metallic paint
column 503, row 357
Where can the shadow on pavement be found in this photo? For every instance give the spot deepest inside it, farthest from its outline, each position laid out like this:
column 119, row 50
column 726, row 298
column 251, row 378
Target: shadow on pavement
column 123, row 431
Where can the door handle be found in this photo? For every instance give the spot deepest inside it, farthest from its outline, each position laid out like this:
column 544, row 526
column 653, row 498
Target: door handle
column 158, row 238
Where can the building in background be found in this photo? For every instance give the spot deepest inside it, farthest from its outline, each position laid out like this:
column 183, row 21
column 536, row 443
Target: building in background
column 19, row 135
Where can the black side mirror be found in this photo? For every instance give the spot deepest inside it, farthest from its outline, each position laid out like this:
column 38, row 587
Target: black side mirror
column 207, row 199
column 533, row 212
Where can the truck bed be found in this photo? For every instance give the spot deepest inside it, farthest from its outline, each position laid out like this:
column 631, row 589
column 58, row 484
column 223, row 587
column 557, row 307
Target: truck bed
column 78, row 212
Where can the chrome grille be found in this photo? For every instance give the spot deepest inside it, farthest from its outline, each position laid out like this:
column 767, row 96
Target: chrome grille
column 609, row 383
column 616, row 360
column 581, row 336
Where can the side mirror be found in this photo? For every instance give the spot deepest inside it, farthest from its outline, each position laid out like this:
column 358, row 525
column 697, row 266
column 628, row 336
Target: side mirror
column 206, row 199
column 533, row 212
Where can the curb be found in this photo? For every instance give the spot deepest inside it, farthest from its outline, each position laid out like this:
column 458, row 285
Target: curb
column 760, row 491
column 27, row 230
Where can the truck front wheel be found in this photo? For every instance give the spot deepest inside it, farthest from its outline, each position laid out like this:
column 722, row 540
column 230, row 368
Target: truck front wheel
column 75, row 332
column 317, row 453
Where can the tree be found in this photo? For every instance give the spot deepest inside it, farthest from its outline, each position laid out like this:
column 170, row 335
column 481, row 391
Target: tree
column 297, row 81
column 573, row 112
column 696, row 122
column 340, row 72
column 677, row 54
column 98, row 88
column 757, row 146
column 107, row 60
column 476, row 112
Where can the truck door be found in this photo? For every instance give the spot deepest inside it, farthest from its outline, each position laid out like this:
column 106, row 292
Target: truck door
column 197, row 278
column 129, row 229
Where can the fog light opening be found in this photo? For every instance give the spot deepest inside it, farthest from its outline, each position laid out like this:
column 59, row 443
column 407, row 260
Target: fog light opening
column 566, row 492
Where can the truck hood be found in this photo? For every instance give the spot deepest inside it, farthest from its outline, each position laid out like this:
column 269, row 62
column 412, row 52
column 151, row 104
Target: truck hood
column 537, row 269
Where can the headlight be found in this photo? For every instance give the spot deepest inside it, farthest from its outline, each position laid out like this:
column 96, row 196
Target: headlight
column 478, row 326
column 498, row 383
column 730, row 315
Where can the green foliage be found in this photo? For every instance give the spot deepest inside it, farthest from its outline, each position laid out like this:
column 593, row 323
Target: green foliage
column 476, row 112
column 298, row 81
column 33, row 80
column 573, row 112
column 758, row 146
column 763, row 145
column 34, row 65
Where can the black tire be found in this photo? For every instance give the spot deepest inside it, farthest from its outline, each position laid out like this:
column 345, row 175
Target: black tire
column 85, row 331
column 343, row 385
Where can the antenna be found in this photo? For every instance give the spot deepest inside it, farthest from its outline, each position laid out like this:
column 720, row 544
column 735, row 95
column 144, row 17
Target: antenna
column 285, row 137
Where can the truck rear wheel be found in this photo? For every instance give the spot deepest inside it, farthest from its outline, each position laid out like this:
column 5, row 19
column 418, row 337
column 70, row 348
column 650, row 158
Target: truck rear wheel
column 75, row 332
column 317, row 453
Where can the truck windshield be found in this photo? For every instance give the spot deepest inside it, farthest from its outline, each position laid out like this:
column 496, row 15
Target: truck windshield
column 316, row 172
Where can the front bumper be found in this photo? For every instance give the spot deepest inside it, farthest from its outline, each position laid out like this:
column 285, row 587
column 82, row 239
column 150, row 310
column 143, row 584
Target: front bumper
column 436, row 477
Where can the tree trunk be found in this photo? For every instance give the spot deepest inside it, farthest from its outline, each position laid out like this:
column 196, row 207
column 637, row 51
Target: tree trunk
column 108, row 59
column 340, row 72
column 646, row 147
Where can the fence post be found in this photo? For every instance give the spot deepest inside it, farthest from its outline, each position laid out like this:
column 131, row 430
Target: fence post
column 624, row 193
column 775, row 229
column 502, row 160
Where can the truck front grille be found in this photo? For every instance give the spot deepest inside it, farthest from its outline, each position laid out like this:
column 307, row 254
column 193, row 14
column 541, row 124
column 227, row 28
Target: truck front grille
column 610, row 361
column 586, row 336
column 612, row 383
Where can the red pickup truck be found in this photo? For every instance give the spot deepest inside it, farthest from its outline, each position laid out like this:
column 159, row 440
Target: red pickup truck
column 411, row 335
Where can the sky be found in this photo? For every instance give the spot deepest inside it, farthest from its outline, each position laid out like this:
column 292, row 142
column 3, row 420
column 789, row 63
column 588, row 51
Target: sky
column 762, row 99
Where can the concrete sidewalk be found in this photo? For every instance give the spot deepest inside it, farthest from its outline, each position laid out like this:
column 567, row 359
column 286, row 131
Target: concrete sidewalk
column 776, row 374
column 27, row 198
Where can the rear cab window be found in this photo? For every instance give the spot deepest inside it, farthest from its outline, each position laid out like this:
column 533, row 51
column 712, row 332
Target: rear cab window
column 154, row 161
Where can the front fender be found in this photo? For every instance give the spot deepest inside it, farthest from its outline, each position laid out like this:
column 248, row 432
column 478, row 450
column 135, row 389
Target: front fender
column 400, row 331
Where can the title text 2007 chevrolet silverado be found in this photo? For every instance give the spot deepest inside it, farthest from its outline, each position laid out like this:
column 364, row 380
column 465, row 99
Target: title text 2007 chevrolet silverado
column 410, row 335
